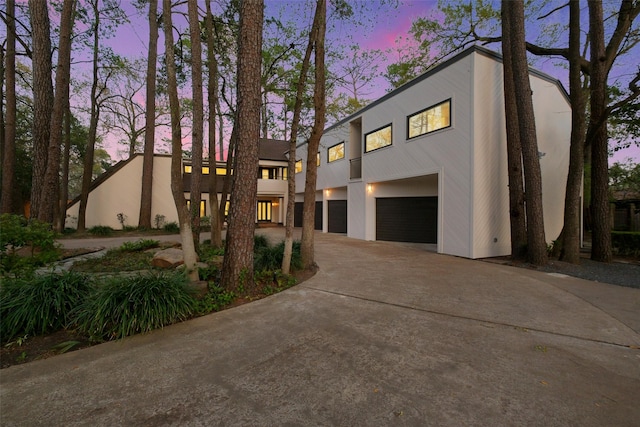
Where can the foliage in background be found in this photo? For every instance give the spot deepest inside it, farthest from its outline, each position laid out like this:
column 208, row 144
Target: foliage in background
column 624, row 179
column 626, row 243
column 139, row 245
column 215, row 300
column 16, row 232
column 126, row 306
column 40, row 304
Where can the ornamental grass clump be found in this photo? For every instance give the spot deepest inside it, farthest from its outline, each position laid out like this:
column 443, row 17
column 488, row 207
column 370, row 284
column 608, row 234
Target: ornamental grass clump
column 126, row 306
column 40, row 304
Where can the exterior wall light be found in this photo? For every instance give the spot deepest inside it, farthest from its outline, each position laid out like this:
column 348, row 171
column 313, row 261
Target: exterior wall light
column 369, row 188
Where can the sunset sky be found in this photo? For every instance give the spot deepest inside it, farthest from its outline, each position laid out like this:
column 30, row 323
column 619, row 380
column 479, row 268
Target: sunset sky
column 388, row 24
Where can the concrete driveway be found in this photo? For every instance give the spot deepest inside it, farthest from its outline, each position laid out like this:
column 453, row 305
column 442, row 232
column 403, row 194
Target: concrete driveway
column 384, row 334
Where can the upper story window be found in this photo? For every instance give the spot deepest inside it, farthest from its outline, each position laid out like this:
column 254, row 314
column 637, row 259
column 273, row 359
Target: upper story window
column 429, row 120
column 318, row 159
column 298, row 166
column 205, row 170
column 335, row 152
column 377, row 139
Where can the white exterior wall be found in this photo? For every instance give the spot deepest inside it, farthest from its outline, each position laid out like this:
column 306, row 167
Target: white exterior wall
column 464, row 165
column 445, row 153
column 121, row 192
column 491, row 223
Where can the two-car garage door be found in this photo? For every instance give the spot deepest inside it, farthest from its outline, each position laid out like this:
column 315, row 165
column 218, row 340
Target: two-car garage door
column 407, row 219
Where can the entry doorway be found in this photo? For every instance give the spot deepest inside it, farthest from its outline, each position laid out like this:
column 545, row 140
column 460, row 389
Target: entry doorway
column 264, row 211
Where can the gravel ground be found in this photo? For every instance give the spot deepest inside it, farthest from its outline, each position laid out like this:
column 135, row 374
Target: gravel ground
column 621, row 273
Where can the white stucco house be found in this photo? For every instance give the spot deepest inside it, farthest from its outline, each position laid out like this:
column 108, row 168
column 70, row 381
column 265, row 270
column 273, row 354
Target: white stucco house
column 118, row 190
column 428, row 161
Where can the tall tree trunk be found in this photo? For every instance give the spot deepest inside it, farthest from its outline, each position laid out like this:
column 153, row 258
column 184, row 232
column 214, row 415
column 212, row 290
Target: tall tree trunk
column 237, row 269
column 144, row 219
column 51, row 186
column 9, row 143
column 87, row 170
column 601, row 237
column 198, row 119
column 514, row 148
column 188, row 248
column 212, row 98
column 570, row 238
column 291, row 165
column 536, row 242
column 319, row 97
column 42, row 97
column 64, row 185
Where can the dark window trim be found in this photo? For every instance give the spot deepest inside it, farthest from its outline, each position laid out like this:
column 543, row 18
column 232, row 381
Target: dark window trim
column 335, row 145
column 427, row 109
column 389, row 125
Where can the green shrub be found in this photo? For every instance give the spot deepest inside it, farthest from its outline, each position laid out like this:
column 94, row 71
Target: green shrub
column 260, row 241
column 626, row 242
column 270, row 257
column 206, row 251
column 215, row 300
column 171, row 227
column 16, row 233
column 273, row 281
column 100, row 230
column 139, row 245
column 41, row 304
column 126, row 306
column 209, row 274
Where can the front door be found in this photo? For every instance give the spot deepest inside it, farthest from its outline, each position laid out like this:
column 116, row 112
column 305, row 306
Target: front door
column 264, row 211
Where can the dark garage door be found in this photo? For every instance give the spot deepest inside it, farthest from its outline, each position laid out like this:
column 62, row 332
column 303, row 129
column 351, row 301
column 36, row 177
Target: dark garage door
column 407, row 219
column 337, row 212
column 297, row 215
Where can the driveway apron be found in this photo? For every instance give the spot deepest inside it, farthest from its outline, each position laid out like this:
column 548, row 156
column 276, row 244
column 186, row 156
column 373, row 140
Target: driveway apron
column 384, row 334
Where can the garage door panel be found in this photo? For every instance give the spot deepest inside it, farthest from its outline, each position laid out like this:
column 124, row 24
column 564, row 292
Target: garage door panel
column 337, row 216
column 298, row 212
column 407, row 219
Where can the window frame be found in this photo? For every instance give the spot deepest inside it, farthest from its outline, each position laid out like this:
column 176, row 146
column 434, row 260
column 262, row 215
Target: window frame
column 449, row 101
column 334, row 146
column 390, row 126
column 295, row 169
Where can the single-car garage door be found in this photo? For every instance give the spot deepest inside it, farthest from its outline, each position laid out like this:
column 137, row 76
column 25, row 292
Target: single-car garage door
column 297, row 215
column 337, row 216
column 407, row 219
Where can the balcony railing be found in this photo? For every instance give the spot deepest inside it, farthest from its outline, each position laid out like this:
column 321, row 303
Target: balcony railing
column 355, row 168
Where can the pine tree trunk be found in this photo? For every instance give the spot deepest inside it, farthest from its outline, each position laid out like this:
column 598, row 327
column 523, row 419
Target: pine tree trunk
column 237, row 269
column 64, row 185
column 514, row 149
column 212, row 98
column 319, row 98
column 570, row 241
column 536, row 242
column 9, row 142
column 144, row 219
column 198, row 119
column 87, row 171
column 51, row 186
column 42, row 98
column 188, row 248
column 293, row 138
column 601, row 237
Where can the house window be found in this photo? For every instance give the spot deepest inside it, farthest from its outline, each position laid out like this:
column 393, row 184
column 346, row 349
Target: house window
column 429, row 120
column 189, row 169
column 318, row 159
column 335, row 152
column 221, row 171
column 298, row 166
column 284, row 173
column 268, row 173
column 203, row 207
column 377, row 139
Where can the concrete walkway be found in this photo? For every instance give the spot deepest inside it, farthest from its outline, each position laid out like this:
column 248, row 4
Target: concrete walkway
column 384, row 334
